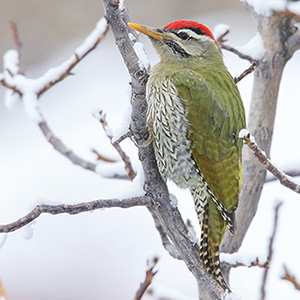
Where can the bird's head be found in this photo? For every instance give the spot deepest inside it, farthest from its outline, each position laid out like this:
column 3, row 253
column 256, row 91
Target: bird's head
column 181, row 41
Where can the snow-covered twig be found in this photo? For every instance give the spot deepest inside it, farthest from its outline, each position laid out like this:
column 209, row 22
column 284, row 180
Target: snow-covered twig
column 74, row 210
column 101, row 117
column 235, row 260
column 21, row 84
column 291, row 278
column 148, row 279
column 221, row 39
column 270, row 251
column 263, row 159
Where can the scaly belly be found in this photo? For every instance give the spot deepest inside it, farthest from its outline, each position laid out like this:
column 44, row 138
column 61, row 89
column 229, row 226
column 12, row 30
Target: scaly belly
column 166, row 119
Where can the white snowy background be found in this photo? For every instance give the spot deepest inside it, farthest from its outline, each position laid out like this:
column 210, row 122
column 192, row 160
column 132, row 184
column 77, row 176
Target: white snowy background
column 102, row 255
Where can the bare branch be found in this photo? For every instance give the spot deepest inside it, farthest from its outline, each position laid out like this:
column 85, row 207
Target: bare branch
column 255, row 263
column 169, row 247
column 221, row 39
column 291, row 278
column 101, row 117
column 102, row 157
column 270, row 251
column 63, row 149
column 148, row 279
column 16, row 36
column 262, row 158
column 246, row 72
column 74, row 210
column 290, row 173
column 168, row 216
column 123, row 137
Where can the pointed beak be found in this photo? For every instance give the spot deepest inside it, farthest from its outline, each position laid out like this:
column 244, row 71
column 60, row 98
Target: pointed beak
column 150, row 31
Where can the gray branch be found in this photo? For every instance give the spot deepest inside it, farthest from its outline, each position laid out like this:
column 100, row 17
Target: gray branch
column 73, row 210
column 168, row 216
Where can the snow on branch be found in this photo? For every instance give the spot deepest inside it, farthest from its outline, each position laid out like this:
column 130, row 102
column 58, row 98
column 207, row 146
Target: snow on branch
column 235, row 260
column 74, row 210
column 270, row 250
column 264, row 160
column 220, row 37
column 101, row 117
column 32, row 89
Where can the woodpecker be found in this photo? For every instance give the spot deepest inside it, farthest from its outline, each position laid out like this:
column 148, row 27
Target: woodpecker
column 194, row 116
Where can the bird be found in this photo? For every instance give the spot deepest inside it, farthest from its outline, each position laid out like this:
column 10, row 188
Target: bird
column 194, row 116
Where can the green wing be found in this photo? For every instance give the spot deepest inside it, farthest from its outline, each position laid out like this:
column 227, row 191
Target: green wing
column 216, row 115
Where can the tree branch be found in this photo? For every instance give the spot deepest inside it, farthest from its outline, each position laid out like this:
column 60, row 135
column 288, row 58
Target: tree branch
column 168, row 216
column 291, row 278
column 221, row 39
column 148, row 279
column 101, row 117
column 262, row 158
column 270, row 251
column 246, row 72
column 63, row 149
column 74, row 210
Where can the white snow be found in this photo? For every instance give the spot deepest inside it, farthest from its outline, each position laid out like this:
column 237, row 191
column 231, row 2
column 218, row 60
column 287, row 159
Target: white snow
column 220, row 29
column 174, row 200
column 109, row 170
column 28, row 231
column 244, row 258
column 92, row 38
column 254, row 48
column 11, row 62
column 11, row 99
column 294, row 7
column 265, row 7
column 124, row 125
column 140, row 52
column 32, row 108
column 243, row 133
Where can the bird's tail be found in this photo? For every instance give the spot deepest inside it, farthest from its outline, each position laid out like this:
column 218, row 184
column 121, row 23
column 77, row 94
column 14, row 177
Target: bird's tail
column 212, row 232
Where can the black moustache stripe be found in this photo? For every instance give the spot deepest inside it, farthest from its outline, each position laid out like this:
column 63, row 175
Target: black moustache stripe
column 177, row 49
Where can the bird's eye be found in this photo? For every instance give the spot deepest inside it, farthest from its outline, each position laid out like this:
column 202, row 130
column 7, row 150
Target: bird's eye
column 183, row 35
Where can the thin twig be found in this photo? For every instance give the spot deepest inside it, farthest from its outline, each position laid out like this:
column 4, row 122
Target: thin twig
column 169, row 247
column 255, row 263
column 18, row 42
column 270, row 251
column 123, row 137
column 148, row 279
column 102, row 157
column 290, row 173
column 63, row 149
column 262, row 158
column 74, row 210
column 291, row 278
column 101, row 116
column 221, row 39
column 246, row 72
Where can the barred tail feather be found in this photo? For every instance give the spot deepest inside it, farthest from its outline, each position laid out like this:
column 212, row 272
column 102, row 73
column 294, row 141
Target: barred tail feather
column 209, row 250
